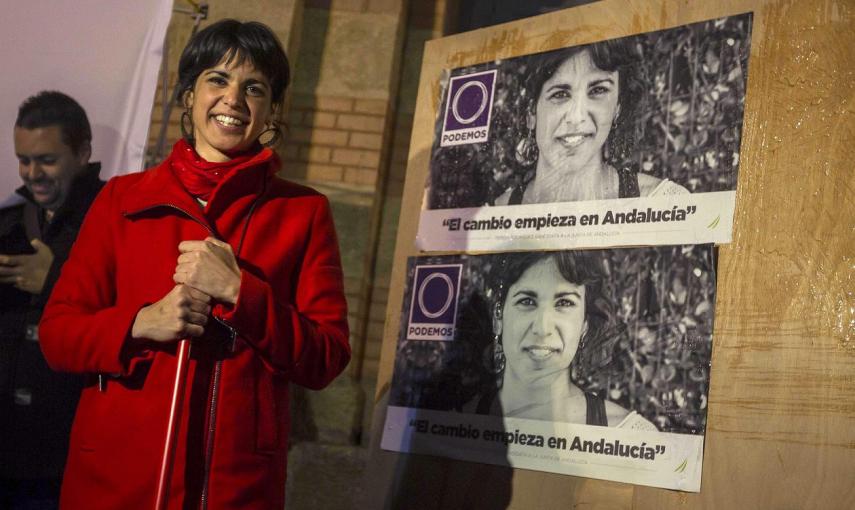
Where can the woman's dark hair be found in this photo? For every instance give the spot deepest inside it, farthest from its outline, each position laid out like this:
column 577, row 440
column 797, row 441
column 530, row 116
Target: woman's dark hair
column 235, row 42
column 577, row 267
column 52, row 108
column 621, row 55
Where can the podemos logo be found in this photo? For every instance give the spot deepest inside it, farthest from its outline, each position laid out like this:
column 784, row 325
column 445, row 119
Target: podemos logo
column 468, row 109
column 433, row 304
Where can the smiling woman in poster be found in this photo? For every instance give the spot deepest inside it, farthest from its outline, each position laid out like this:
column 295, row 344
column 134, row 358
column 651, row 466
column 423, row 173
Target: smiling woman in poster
column 211, row 246
column 549, row 316
column 584, row 101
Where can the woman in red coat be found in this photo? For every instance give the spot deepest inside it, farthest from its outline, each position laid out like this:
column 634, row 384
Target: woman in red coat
column 210, row 245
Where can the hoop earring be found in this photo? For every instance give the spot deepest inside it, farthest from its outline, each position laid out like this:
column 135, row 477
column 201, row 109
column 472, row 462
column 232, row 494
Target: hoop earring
column 526, row 152
column 499, row 358
column 579, row 365
column 185, row 133
column 275, row 135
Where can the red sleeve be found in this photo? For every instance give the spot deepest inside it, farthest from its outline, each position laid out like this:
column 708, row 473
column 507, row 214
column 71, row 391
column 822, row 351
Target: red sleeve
column 82, row 328
column 306, row 339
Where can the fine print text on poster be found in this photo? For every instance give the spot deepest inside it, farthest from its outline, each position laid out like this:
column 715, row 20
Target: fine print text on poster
column 592, row 363
column 630, row 141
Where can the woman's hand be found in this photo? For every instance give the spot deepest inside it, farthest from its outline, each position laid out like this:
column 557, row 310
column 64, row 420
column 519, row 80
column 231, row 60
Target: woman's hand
column 182, row 313
column 209, row 266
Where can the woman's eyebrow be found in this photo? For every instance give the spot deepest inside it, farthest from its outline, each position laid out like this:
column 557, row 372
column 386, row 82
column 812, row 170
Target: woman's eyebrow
column 560, row 86
column 569, row 293
column 256, row 81
column 601, row 80
column 218, row 72
column 525, row 292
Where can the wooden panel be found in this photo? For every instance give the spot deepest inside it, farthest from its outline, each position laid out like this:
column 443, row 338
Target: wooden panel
column 781, row 425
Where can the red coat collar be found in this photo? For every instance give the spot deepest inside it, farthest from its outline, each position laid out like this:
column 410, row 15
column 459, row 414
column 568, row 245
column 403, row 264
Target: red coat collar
column 158, row 187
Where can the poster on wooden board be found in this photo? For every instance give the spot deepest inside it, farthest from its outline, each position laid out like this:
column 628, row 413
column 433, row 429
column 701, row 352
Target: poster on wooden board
column 780, row 420
column 593, row 363
column 627, row 141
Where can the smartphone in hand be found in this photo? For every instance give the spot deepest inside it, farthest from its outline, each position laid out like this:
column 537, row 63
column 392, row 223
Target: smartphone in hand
column 14, row 242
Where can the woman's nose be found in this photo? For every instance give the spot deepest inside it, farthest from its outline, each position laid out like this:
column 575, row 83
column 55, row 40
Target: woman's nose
column 575, row 114
column 233, row 97
column 543, row 324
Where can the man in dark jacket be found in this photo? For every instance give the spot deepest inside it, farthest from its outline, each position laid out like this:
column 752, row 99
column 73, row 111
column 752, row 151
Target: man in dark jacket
column 53, row 145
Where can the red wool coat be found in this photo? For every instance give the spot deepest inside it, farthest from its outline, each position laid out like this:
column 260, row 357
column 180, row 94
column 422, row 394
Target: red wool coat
column 289, row 324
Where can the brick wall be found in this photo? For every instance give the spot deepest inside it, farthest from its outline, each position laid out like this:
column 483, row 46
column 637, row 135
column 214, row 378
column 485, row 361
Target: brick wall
column 425, row 20
column 334, row 140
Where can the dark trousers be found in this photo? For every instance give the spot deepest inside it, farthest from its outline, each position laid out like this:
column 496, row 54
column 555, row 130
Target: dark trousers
column 37, row 494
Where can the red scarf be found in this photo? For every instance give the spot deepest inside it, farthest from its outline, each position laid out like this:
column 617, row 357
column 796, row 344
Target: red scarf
column 200, row 177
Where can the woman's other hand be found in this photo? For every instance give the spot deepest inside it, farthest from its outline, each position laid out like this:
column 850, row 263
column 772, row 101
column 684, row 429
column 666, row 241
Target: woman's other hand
column 181, row 313
column 210, row 267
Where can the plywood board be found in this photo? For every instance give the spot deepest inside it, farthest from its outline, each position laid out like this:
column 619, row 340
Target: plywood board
column 781, row 422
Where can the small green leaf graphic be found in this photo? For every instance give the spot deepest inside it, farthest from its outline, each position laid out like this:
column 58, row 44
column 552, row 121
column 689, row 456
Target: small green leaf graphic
column 714, row 223
column 682, row 466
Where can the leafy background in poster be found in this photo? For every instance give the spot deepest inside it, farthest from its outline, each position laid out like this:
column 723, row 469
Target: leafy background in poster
column 657, row 363
column 688, row 128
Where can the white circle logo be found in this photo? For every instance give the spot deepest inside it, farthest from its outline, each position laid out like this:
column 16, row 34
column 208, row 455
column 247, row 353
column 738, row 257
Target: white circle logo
column 444, row 277
column 455, row 103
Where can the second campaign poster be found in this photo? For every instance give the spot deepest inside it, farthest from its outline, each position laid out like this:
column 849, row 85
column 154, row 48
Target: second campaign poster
column 629, row 141
column 585, row 362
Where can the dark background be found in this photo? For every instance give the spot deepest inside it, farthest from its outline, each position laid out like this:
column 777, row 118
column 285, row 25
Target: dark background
column 484, row 13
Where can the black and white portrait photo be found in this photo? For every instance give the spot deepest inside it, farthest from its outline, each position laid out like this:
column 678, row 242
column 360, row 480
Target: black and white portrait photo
column 616, row 338
column 654, row 117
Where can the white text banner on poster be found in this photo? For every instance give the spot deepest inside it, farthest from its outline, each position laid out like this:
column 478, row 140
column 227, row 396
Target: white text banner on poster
column 671, row 461
column 667, row 220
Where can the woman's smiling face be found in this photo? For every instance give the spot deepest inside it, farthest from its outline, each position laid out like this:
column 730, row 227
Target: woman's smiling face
column 543, row 320
column 574, row 114
column 231, row 105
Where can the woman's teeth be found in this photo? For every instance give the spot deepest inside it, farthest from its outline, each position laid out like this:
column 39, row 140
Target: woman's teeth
column 228, row 121
column 540, row 352
column 572, row 140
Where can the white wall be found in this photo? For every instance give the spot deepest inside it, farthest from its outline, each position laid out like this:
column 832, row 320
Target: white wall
column 105, row 54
